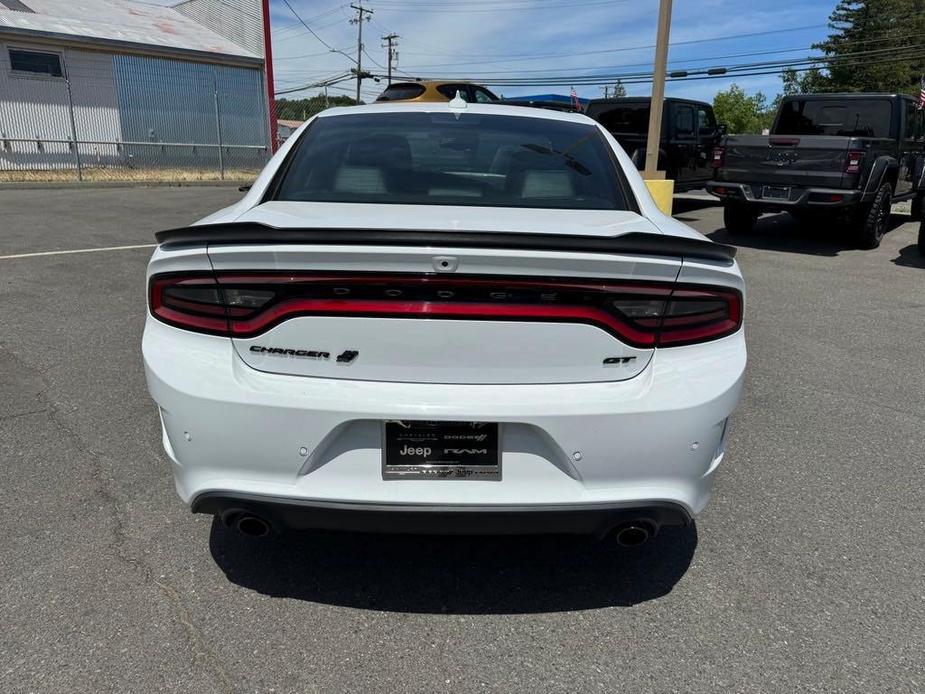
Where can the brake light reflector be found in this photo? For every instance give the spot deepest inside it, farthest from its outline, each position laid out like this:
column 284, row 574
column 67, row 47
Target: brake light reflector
column 719, row 157
column 853, row 162
column 640, row 314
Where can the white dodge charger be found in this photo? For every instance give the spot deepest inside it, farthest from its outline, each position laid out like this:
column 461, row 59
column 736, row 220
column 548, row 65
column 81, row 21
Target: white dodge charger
column 445, row 318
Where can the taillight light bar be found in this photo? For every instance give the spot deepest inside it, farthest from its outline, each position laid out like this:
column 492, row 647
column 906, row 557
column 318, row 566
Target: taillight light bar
column 641, row 314
column 719, row 157
column 853, row 162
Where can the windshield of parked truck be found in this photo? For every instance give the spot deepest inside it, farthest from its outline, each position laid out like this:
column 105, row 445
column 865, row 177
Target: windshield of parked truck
column 844, row 118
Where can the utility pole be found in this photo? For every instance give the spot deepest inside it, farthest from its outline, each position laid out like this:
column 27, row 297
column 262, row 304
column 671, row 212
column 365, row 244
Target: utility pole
column 268, row 68
column 606, row 91
column 658, row 92
column 392, row 45
column 358, row 20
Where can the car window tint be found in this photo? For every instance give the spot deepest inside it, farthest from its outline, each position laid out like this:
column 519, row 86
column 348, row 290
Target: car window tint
column 399, row 92
column 684, row 120
column 624, row 119
column 848, row 118
column 453, row 159
column 705, row 121
column 449, row 90
column 483, row 96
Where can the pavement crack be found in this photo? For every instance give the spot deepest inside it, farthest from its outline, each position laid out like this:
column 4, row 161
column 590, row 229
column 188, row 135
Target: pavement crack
column 201, row 652
column 16, row 415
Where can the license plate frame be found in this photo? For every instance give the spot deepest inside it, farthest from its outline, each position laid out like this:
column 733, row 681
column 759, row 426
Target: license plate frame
column 455, row 450
column 776, row 193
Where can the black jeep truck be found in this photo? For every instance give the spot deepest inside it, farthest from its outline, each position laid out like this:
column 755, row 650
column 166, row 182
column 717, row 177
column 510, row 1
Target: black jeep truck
column 845, row 156
column 689, row 134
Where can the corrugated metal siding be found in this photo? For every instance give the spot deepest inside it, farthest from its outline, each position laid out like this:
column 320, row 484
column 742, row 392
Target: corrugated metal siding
column 37, row 108
column 240, row 21
column 130, row 98
column 174, row 101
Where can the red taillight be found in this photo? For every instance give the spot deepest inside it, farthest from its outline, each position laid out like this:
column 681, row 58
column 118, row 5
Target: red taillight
column 719, row 157
column 639, row 314
column 853, row 162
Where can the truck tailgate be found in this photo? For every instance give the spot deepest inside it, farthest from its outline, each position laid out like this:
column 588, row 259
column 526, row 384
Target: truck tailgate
column 798, row 160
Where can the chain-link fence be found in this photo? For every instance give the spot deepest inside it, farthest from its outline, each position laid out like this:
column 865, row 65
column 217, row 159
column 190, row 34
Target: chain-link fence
column 133, row 118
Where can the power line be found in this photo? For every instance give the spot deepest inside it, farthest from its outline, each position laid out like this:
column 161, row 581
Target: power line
column 870, row 57
column 312, row 32
column 445, row 9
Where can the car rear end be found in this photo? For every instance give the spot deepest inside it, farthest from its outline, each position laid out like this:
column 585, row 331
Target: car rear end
column 447, row 367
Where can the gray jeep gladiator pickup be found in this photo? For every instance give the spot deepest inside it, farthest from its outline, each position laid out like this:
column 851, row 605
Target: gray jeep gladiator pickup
column 843, row 156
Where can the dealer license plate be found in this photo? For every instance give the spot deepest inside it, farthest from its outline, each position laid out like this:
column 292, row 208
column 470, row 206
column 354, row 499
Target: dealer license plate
column 414, row 449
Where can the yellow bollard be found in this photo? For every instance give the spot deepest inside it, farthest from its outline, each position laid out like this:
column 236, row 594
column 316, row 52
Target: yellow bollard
column 662, row 192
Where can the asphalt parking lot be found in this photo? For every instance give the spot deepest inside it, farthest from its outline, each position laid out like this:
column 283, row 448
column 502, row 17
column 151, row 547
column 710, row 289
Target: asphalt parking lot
column 805, row 574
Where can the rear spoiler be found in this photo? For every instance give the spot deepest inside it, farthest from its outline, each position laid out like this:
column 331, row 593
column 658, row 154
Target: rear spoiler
column 635, row 243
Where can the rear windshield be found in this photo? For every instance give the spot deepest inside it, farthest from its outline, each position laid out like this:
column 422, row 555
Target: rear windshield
column 625, row 118
column 453, row 159
column 399, row 92
column 846, row 118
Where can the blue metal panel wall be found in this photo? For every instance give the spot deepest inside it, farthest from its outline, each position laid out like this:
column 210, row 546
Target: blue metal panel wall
column 173, row 101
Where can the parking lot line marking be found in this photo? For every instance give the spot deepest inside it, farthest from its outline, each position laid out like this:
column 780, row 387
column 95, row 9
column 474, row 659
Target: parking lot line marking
column 78, row 250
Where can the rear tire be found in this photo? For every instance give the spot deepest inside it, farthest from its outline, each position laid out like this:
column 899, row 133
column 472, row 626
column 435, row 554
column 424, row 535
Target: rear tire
column 739, row 219
column 874, row 218
column 917, row 207
column 922, row 237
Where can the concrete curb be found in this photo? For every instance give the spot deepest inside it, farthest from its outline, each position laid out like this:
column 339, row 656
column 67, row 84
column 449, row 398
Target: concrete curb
column 65, row 185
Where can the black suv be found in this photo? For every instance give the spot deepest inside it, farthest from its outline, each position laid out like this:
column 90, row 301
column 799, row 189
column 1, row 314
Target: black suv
column 845, row 155
column 689, row 134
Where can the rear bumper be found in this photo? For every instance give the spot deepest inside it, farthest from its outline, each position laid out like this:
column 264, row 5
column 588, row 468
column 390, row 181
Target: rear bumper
column 286, row 514
column 800, row 197
column 232, row 432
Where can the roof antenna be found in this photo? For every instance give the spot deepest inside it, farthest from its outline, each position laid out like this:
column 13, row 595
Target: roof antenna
column 458, row 104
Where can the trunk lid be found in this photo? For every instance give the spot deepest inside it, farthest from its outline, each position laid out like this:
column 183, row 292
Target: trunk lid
column 426, row 345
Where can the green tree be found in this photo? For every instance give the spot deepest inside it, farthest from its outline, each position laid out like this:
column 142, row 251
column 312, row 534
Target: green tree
column 619, row 89
column 741, row 113
column 303, row 109
column 893, row 28
column 810, row 81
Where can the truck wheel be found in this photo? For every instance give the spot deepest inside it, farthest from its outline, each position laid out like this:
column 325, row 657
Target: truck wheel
column 922, row 237
column 917, row 207
column 875, row 217
column 739, row 219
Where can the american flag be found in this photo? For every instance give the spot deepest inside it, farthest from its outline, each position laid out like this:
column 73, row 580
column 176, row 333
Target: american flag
column 576, row 103
column 921, row 94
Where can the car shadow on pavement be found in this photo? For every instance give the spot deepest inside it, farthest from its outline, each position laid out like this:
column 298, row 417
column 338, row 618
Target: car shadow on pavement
column 454, row 575
column 910, row 256
column 780, row 232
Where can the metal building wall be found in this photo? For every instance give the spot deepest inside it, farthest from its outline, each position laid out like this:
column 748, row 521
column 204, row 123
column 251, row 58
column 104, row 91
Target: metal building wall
column 135, row 117
column 240, row 21
column 218, row 110
column 35, row 111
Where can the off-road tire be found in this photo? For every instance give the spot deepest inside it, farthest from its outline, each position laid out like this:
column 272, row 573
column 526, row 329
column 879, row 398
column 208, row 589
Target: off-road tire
column 874, row 218
column 739, row 219
column 922, row 237
column 917, row 207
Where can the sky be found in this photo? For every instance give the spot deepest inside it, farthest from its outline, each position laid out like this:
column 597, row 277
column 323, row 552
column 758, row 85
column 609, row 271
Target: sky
column 481, row 39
